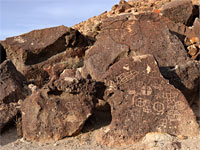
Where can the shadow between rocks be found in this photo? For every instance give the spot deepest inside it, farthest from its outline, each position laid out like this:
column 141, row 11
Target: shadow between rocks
column 2, row 54
column 99, row 119
column 101, row 115
column 9, row 134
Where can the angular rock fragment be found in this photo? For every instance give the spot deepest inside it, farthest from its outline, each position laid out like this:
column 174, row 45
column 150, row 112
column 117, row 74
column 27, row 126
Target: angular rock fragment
column 142, row 101
column 11, row 83
column 57, row 110
column 129, row 35
column 30, row 52
column 178, row 11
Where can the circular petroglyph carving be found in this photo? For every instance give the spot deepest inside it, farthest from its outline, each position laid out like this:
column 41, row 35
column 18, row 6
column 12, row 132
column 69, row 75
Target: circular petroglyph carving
column 139, row 102
column 146, row 90
column 159, row 107
column 180, row 105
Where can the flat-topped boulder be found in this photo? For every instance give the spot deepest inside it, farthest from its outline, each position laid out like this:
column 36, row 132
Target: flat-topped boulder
column 32, row 51
column 142, row 101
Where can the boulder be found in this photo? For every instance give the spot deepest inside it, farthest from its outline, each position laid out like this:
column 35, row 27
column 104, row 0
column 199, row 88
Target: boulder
column 178, row 11
column 32, row 51
column 156, row 140
column 12, row 83
column 57, row 110
column 142, row 101
column 128, row 35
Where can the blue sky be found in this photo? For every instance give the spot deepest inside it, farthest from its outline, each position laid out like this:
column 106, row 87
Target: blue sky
column 21, row 16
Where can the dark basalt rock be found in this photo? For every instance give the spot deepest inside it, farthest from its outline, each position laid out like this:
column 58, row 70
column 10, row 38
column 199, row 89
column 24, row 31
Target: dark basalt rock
column 142, row 101
column 32, row 51
column 129, row 35
column 57, row 110
column 178, row 11
column 11, row 83
column 12, row 89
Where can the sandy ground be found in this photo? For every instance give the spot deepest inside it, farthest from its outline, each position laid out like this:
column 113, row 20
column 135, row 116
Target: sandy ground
column 85, row 141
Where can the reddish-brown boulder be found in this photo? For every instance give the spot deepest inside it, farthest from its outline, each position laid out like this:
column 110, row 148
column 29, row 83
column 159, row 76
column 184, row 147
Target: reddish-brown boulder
column 11, row 83
column 129, row 35
column 32, row 51
column 142, row 101
column 57, row 110
column 179, row 10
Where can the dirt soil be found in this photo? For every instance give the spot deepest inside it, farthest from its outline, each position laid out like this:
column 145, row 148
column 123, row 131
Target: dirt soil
column 83, row 141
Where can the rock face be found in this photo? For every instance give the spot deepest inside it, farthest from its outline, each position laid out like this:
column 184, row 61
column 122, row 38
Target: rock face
column 178, row 11
column 11, row 83
column 129, row 35
column 142, row 101
column 32, row 51
column 57, row 111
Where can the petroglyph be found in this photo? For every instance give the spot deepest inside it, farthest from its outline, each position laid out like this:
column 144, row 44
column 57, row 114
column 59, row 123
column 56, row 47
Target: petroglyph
column 148, row 69
column 125, row 77
column 159, row 108
column 140, row 100
column 146, row 90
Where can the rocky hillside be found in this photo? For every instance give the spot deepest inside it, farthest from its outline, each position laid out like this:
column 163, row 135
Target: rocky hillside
column 128, row 76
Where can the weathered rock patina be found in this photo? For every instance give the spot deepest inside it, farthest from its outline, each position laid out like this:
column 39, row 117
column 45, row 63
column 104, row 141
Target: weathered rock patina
column 178, row 11
column 54, row 112
column 142, row 101
column 32, row 51
column 129, row 35
column 12, row 83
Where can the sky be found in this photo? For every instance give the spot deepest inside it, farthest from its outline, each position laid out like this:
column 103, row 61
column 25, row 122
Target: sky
column 22, row 16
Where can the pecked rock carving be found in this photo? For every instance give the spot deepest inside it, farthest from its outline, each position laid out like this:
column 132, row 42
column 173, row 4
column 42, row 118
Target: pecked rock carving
column 128, row 35
column 144, row 103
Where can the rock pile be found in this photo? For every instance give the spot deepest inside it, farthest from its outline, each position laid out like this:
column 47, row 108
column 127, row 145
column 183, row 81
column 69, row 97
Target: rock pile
column 141, row 59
